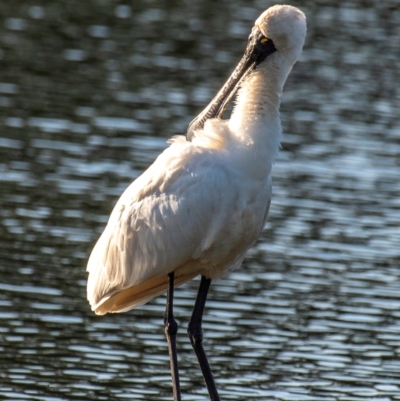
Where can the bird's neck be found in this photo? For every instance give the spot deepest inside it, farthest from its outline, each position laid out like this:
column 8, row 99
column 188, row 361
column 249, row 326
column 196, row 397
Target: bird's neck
column 255, row 120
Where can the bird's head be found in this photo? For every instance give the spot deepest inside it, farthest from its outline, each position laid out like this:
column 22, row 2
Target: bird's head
column 279, row 33
column 285, row 26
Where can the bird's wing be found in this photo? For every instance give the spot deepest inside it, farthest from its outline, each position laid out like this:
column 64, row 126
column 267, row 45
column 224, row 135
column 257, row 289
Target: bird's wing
column 186, row 206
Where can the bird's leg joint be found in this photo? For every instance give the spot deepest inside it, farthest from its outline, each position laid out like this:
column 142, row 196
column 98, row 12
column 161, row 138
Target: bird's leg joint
column 171, row 326
column 195, row 333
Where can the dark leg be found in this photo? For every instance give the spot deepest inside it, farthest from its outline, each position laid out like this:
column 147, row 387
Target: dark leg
column 195, row 332
column 171, row 328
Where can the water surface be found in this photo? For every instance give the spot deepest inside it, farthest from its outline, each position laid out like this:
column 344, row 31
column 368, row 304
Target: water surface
column 89, row 93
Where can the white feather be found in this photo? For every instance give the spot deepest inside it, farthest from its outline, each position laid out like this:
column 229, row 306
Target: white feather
column 202, row 204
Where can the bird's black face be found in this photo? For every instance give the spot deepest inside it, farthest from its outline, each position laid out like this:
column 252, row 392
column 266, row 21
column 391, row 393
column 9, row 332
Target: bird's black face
column 259, row 46
column 258, row 49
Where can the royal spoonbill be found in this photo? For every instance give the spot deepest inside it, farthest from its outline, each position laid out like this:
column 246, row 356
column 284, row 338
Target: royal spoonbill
column 204, row 201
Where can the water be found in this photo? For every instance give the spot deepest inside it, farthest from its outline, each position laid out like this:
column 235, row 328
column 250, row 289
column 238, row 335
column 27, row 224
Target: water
column 89, row 93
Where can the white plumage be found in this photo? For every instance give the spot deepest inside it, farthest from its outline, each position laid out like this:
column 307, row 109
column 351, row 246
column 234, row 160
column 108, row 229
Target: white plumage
column 203, row 203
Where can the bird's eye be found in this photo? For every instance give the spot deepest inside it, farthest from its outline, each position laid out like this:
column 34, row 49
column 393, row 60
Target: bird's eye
column 264, row 40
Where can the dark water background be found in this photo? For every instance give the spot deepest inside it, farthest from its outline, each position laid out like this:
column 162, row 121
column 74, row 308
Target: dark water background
column 89, row 93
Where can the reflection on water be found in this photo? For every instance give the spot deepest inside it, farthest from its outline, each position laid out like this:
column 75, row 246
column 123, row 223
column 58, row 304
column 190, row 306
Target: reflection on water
column 88, row 95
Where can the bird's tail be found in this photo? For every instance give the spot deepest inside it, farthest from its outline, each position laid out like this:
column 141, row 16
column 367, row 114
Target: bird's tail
column 140, row 294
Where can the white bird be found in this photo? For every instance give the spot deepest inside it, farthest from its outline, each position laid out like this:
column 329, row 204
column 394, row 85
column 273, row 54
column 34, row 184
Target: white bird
column 204, row 201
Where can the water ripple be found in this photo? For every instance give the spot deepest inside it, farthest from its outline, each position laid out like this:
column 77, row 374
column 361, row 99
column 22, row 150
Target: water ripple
column 313, row 314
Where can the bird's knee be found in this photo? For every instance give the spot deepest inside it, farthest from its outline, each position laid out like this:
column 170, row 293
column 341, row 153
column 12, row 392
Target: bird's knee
column 195, row 334
column 171, row 327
